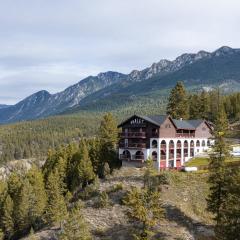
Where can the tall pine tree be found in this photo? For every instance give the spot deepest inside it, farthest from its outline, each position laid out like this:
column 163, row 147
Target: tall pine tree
column 56, row 210
column 108, row 135
column 217, row 169
column 178, row 102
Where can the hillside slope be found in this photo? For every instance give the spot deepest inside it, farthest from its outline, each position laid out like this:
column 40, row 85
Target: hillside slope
column 184, row 204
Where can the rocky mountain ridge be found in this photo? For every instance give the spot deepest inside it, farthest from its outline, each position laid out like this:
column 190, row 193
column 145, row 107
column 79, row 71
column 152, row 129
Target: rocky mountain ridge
column 105, row 85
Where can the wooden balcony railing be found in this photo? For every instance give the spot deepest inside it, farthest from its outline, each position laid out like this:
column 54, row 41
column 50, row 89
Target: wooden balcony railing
column 133, row 135
column 133, row 145
column 185, row 135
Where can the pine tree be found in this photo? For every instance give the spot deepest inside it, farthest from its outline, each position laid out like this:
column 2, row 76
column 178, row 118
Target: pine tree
column 56, row 210
column 145, row 207
column 95, row 155
column 84, row 169
column 38, row 198
column 106, row 170
column 204, row 105
column 194, row 107
column 217, row 169
column 7, row 217
column 228, row 227
column 178, row 103
column 108, row 131
column 108, row 134
column 23, row 206
column 75, row 227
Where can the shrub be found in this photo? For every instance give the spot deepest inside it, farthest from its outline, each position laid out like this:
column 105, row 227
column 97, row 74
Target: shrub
column 103, row 200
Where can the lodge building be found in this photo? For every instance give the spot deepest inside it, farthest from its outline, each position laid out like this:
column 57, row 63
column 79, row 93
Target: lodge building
column 169, row 142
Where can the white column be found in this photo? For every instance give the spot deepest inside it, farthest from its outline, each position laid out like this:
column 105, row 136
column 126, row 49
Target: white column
column 175, row 154
column 158, row 155
column 167, row 153
column 189, row 148
column 182, row 152
column 194, row 147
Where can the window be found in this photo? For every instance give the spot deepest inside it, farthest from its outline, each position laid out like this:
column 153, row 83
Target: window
column 168, row 126
column 204, row 129
column 154, row 144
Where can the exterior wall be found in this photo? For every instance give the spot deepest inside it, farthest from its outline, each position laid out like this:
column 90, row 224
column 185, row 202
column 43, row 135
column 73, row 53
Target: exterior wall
column 176, row 155
column 201, row 133
column 165, row 131
column 177, row 149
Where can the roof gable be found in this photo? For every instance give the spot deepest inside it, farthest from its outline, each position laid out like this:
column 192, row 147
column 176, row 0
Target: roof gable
column 154, row 119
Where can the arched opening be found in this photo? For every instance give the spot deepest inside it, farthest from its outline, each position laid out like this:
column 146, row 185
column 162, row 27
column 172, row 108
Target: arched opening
column 154, row 144
column 198, row 143
column 171, row 154
column 126, row 155
column 171, row 144
column 203, row 143
column 139, row 155
column 208, row 143
column 185, row 148
column 178, row 149
column 163, row 150
column 191, row 148
column 154, row 156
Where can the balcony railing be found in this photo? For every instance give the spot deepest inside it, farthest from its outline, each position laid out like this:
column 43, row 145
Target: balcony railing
column 133, row 145
column 185, row 135
column 132, row 134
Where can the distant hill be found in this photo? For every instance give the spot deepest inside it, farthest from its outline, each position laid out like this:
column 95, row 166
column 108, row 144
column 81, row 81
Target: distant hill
column 149, row 87
column 3, row 106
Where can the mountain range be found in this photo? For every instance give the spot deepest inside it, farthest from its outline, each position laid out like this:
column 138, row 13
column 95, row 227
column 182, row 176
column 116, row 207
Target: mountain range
column 113, row 90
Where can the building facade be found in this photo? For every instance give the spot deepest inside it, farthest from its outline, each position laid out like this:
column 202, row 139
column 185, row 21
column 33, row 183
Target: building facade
column 169, row 142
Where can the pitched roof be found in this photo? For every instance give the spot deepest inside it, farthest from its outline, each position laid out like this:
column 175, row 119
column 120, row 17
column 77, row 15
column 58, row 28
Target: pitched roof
column 183, row 124
column 155, row 119
column 159, row 119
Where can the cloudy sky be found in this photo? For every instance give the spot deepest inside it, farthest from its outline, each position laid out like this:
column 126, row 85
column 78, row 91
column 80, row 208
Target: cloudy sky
column 51, row 44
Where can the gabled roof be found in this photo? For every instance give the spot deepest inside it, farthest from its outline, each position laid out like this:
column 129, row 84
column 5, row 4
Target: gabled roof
column 159, row 119
column 154, row 119
column 183, row 124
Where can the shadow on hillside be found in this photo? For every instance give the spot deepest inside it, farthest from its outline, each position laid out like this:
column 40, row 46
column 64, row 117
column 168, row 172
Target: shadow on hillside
column 121, row 232
column 125, row 178
column 194, row 227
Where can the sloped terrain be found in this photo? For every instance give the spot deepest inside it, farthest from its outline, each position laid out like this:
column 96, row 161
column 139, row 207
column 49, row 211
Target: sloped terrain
column 183, row 199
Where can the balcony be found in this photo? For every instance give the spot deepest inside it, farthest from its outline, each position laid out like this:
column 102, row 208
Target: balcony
column 185, row 135
column 133, row 145
column 132, row 135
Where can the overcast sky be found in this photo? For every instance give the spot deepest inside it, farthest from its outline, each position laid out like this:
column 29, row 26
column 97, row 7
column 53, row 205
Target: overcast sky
column 51, row 44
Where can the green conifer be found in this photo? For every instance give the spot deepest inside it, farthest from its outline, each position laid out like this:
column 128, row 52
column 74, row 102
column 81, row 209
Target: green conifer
column 7, row 217
column 178, row 103
column 75, row 227
column 56, row 210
